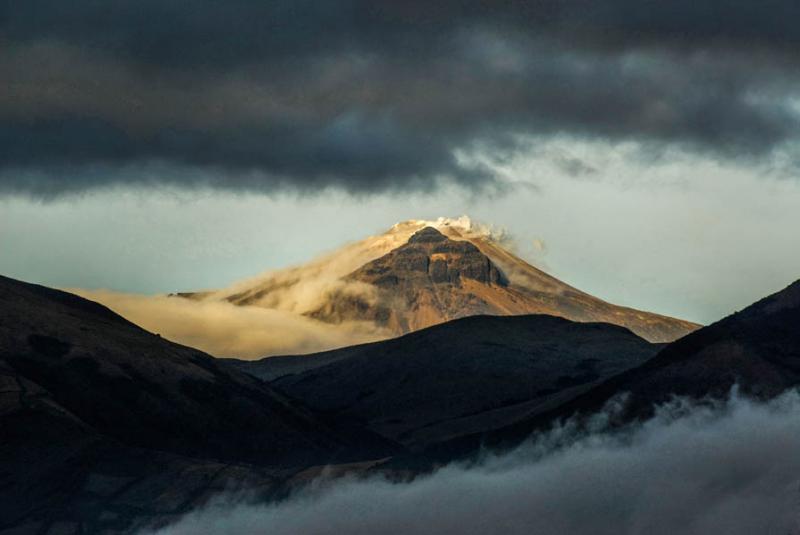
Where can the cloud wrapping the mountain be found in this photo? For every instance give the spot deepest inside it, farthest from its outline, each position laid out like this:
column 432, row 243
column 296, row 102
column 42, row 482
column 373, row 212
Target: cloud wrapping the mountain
column 730, row 469
column 269, row 314
column 226, row 330
column 375, row 96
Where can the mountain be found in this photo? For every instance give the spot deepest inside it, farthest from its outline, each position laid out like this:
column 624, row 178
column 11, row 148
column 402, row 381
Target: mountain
column 475, row 373
column 59, row 475
column 100, row 417
column 756, row 350
column 106, row 427
column 422, row 273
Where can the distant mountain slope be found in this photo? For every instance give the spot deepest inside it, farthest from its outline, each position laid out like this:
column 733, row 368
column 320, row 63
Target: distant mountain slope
column 421, row 273
column 58, row 475
column 138, row 388
column 757, row 350
column 100, row 419
column 471, row 374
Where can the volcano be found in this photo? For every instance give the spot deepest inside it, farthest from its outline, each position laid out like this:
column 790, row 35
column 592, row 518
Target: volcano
column 423, row 273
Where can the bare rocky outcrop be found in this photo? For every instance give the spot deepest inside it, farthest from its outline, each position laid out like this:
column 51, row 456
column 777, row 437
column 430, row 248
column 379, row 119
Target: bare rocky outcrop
column 431, row 257
column 434, row 278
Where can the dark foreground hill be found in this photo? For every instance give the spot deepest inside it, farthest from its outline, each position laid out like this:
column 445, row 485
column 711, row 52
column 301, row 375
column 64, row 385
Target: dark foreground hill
column 756, row 350
column 476, row 373
column 99, row 417
column 106, row 428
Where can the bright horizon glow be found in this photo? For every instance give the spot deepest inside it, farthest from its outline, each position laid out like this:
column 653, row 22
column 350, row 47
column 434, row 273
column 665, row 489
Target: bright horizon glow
column 691, row 238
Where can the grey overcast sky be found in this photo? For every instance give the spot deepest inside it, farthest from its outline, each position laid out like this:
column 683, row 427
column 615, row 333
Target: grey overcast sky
column 651, row 146
column 688, row 237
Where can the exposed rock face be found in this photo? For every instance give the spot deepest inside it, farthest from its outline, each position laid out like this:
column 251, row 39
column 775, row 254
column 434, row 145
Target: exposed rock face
column 429, row 280
column 434, row 278
column 430, row 257
column 421, row 273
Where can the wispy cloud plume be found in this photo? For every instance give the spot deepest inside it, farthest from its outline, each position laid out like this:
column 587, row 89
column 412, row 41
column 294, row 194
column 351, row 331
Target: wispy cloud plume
column 226, row 330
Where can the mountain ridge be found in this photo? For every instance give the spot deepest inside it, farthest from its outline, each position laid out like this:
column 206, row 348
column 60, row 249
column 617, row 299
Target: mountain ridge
column 74, row 375
column 755, row 350
column 132, row 385
column 448, row 379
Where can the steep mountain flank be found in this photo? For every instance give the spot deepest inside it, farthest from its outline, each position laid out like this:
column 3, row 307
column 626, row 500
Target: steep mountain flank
column 433, row 278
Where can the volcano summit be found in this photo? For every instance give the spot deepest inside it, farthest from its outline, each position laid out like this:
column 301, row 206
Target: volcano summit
column 422, row 273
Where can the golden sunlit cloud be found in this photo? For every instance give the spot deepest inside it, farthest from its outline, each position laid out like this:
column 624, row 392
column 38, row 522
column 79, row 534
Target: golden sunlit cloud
column 226, row 330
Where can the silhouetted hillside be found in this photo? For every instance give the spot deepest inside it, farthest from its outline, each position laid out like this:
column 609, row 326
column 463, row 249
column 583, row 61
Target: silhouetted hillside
column 757, row 350
column 99, row 417
column 471, row 374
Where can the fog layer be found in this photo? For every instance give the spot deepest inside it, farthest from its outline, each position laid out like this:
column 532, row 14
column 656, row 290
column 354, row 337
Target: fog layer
column 226, row 330
column 731, row 469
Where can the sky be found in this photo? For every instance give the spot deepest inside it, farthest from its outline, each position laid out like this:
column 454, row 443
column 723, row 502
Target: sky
column 646, row 152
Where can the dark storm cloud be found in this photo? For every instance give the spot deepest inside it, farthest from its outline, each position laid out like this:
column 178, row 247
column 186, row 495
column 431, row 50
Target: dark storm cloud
column 370, row 96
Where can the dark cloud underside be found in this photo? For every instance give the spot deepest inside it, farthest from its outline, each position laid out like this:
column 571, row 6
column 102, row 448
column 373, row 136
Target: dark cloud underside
column 370, row 96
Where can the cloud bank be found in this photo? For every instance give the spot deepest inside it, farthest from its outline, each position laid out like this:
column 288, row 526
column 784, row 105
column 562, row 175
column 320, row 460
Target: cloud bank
column 730, row 469
column 376, row 96
column 226, row 330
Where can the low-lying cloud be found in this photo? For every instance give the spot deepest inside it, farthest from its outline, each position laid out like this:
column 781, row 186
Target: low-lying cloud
column 272, row 313
column 226, row 330
column 731, row 469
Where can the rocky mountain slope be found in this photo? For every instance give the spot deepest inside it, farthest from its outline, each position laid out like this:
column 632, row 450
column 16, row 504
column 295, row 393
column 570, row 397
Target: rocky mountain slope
column 422, row 273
